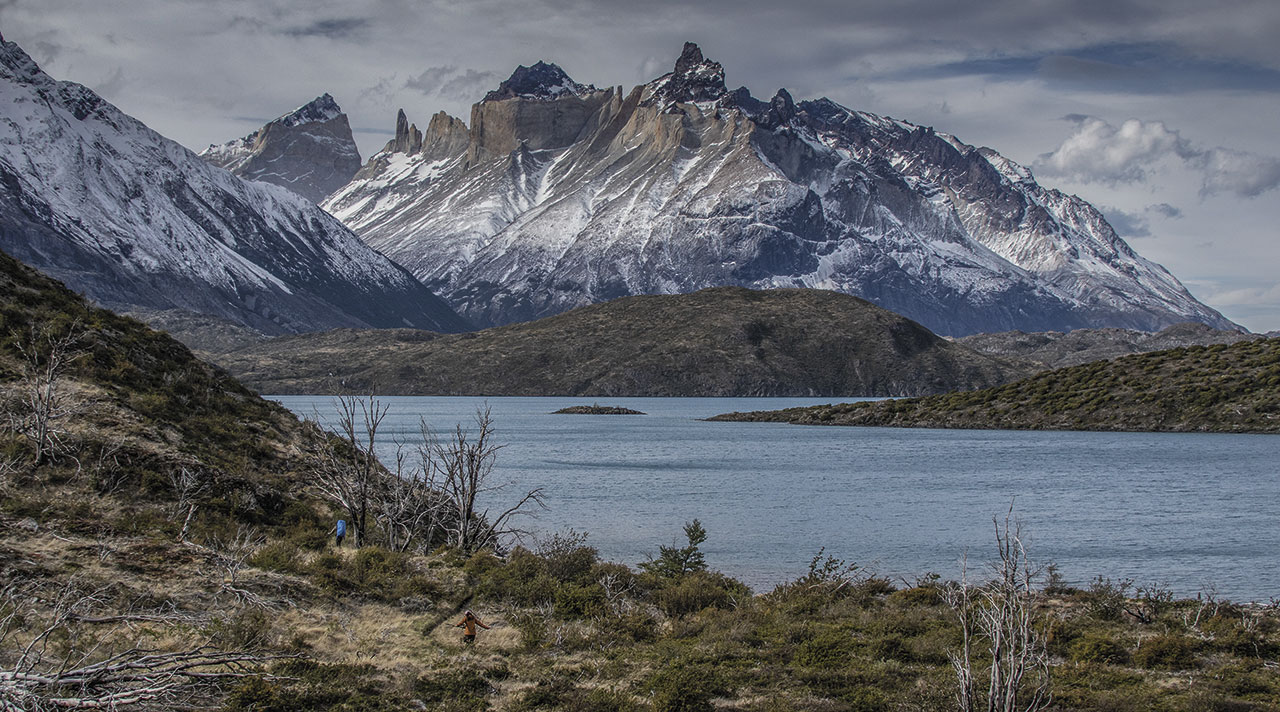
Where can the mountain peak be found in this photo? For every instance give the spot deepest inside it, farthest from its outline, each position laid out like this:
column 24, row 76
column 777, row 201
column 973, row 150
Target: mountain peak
column 541, row 81
column 309, row 150
column 695, row 78
column 319, row 110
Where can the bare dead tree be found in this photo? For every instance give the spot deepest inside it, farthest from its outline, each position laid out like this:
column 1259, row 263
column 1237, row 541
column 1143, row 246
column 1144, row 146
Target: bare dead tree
column 1000, row 616
column 47, row 354
column 409, row 505
column 464, row 467
column 80, row 675
column 350, row 476
column 190, row 483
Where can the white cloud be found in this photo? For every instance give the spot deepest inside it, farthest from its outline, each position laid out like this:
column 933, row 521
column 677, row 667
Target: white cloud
column 1098, row 152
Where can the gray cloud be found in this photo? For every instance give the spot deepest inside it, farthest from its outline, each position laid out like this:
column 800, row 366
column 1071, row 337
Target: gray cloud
column 1137, row 224
column 1244, row 174
column 330, row 28
column 1098, row 152
column 1127, row 224
column 448, row 82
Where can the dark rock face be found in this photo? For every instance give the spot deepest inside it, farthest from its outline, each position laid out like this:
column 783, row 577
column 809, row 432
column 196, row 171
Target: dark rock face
column 679, row 184
column 695, row 79
column 541, row 81
column 310, row 151
column 92, row 197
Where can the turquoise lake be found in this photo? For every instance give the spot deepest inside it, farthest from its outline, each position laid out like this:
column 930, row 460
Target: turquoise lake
column 1197, row 512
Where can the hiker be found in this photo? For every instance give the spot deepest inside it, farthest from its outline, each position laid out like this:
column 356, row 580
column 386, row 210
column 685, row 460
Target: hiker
column 340, row 532
column 469, row 622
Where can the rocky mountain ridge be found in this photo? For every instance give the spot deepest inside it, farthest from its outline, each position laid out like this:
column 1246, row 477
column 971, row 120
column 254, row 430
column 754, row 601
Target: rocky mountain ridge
column 101, row 202
column 552, row 200
column 309, row 150
column 1055, row 349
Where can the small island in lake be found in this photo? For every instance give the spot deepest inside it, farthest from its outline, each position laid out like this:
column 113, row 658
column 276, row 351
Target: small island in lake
column 596, row 409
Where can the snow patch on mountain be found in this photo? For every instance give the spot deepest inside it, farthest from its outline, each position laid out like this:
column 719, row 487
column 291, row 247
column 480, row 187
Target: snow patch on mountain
column 95, row 198
column 549, row 202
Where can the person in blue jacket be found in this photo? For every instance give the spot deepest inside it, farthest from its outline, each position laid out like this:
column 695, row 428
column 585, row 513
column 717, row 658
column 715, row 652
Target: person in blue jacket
column 341, row 531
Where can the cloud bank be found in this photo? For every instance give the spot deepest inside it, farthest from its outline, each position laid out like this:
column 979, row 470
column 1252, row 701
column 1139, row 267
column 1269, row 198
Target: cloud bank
column 1098, row 152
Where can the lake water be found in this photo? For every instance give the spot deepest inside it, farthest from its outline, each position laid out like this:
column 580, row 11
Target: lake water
column 1193, row 511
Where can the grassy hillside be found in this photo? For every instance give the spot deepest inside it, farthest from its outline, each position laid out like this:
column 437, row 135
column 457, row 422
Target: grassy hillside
column 1222, row 388
column 717, row 342
column 95, row 570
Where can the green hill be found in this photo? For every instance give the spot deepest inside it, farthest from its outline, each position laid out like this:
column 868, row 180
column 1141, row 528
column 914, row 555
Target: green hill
column 727, row 341
column 1221, row 388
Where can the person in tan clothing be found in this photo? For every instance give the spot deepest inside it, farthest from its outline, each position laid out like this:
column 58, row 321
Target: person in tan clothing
column 468, row 624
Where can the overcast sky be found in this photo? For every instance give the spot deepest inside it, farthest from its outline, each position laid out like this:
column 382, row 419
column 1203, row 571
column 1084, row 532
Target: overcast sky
column 1163, row 113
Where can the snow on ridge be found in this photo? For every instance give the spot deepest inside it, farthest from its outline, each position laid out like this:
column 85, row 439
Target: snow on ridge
column 145, row 206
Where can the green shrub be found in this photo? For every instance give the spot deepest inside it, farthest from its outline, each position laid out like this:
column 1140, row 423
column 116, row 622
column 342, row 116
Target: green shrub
column 303, row 685
column 1096, row 647
column 683, row 688
column 927, row 595
column 280, row 556
column 576, row 601
column 462, row 689
column 635, row 626
column 829, row 647
column 700, row 590
column 1166, row 652
column 677, row 562
column 567, row 557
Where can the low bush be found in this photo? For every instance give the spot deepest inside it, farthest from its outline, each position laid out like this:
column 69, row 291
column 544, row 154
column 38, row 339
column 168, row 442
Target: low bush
column 462, row 689
column 683, row 688
column 1166, row 652
column 696, row 591
column 1096, row 647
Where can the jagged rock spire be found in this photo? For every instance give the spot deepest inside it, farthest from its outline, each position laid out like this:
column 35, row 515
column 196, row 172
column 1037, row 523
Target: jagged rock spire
column 695, row 78
column 408, row 138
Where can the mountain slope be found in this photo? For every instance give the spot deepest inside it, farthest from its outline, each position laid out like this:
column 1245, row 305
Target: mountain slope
column 726, row 341
column 555, row 199
column 98, row 200
column 1221, row 388
column 309, row 150
column 1055, row 349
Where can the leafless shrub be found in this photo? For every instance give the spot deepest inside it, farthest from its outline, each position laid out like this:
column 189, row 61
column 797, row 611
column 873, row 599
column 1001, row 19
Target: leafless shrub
column 230, row 556
column 46, row 353
column 999, row 615
column 190, row 483
column 53, row 666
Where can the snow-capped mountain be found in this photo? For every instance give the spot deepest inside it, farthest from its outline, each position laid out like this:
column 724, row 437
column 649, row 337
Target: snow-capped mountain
column 309, row 150
column 560, row 194
column 96, row 199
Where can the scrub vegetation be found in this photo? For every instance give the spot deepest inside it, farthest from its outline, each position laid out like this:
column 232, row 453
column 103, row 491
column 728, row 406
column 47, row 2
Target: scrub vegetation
column 1230, row 388
column 166, row 543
